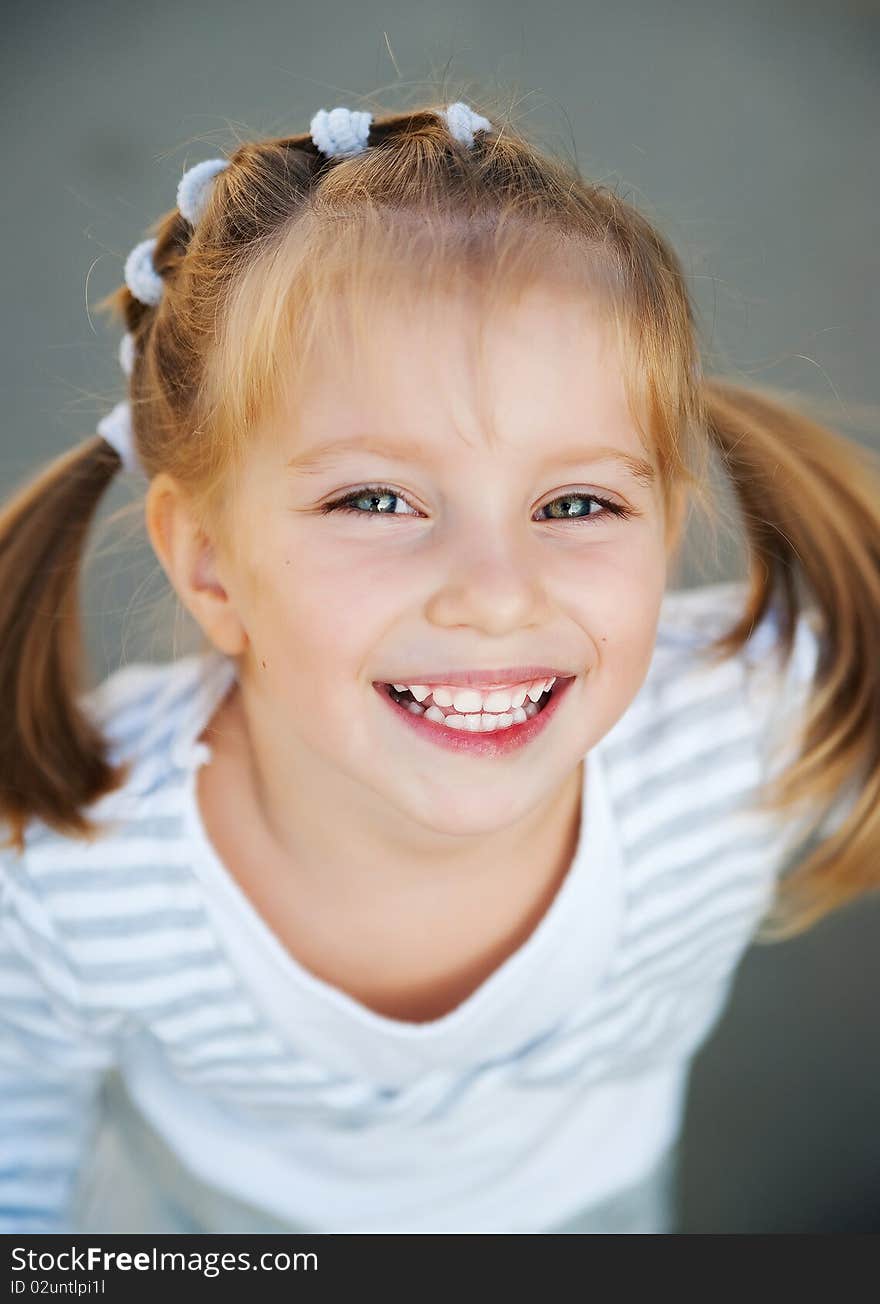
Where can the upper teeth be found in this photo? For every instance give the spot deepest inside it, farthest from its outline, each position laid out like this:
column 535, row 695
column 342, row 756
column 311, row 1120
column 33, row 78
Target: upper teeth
column 475, row 699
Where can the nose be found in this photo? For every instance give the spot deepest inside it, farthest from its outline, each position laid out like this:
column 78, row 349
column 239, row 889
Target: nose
column 490, row 584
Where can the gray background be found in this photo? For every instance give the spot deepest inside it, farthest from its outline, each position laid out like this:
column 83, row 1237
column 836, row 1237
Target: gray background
column 746, row 131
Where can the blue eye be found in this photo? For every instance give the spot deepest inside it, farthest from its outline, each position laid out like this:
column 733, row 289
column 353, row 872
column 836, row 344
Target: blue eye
column 610, row 508
column 372, row 493
column 375, row 493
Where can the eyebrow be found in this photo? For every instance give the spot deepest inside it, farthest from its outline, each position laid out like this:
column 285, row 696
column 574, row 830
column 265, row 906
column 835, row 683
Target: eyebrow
column 316, row 459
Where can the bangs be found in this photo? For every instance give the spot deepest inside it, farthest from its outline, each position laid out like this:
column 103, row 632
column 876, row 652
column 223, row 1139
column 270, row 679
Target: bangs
column 329, row 275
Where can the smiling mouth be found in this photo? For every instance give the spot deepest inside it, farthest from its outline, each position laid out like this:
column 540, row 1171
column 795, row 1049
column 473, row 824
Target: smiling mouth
column 472, row 721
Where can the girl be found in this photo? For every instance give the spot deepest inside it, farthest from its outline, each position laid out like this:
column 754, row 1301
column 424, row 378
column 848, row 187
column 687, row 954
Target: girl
column 406, row 901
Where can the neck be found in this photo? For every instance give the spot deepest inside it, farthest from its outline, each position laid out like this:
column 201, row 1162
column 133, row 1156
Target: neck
column 293, row 823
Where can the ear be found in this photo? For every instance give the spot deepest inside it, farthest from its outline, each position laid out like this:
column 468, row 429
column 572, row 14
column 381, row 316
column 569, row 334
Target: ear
column 191, row 563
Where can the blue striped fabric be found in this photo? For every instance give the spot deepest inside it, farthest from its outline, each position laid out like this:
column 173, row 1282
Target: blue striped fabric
column 109, row 958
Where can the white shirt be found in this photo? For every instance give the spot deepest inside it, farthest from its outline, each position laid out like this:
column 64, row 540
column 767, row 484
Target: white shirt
column 560, row 1080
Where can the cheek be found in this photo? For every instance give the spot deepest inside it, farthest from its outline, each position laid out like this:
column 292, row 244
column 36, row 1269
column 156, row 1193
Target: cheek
column 629, row 626
column 618, row 599
column 625, row 643
column 318, row 616
column 616, row 587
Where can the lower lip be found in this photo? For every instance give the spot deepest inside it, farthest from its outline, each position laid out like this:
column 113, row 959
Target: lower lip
column 500, row 742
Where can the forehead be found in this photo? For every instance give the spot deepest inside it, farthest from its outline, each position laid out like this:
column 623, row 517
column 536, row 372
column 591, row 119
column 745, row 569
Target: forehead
column 512, row 379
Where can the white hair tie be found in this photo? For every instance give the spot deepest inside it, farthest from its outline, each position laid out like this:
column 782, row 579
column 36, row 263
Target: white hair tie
column 463, row 122
column 337, row 133
column 341, row 132
column 147, row 286
column 141, row 276
column 126, row 353
column 194, row 188
column 116, row 428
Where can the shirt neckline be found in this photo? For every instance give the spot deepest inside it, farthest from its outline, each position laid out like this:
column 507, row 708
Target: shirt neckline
column 588, row 900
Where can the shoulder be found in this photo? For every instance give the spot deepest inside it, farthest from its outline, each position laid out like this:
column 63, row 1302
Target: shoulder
column 140, row 710
column 772, row 690
column 101, row 924
column 691, row 752
column 692, row 618
column 106, row 915
column 149, row 713
column 130, row 702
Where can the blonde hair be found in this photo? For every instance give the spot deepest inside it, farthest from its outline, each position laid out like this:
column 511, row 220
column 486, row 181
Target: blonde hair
column 291, row 247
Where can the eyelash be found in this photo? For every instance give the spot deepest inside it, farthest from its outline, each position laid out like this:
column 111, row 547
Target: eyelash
column 342, row 504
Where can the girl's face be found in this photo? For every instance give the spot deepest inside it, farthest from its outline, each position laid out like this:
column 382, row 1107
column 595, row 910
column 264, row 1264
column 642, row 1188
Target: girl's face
column 476, row 541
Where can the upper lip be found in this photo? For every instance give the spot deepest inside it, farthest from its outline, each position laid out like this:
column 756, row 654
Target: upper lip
column 484, row 678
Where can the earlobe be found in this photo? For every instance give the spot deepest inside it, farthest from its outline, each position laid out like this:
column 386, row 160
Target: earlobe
column 189, row 559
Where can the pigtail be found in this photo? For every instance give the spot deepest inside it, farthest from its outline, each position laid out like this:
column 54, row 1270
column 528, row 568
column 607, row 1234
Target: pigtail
column 52, row 759
column 810, row 501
